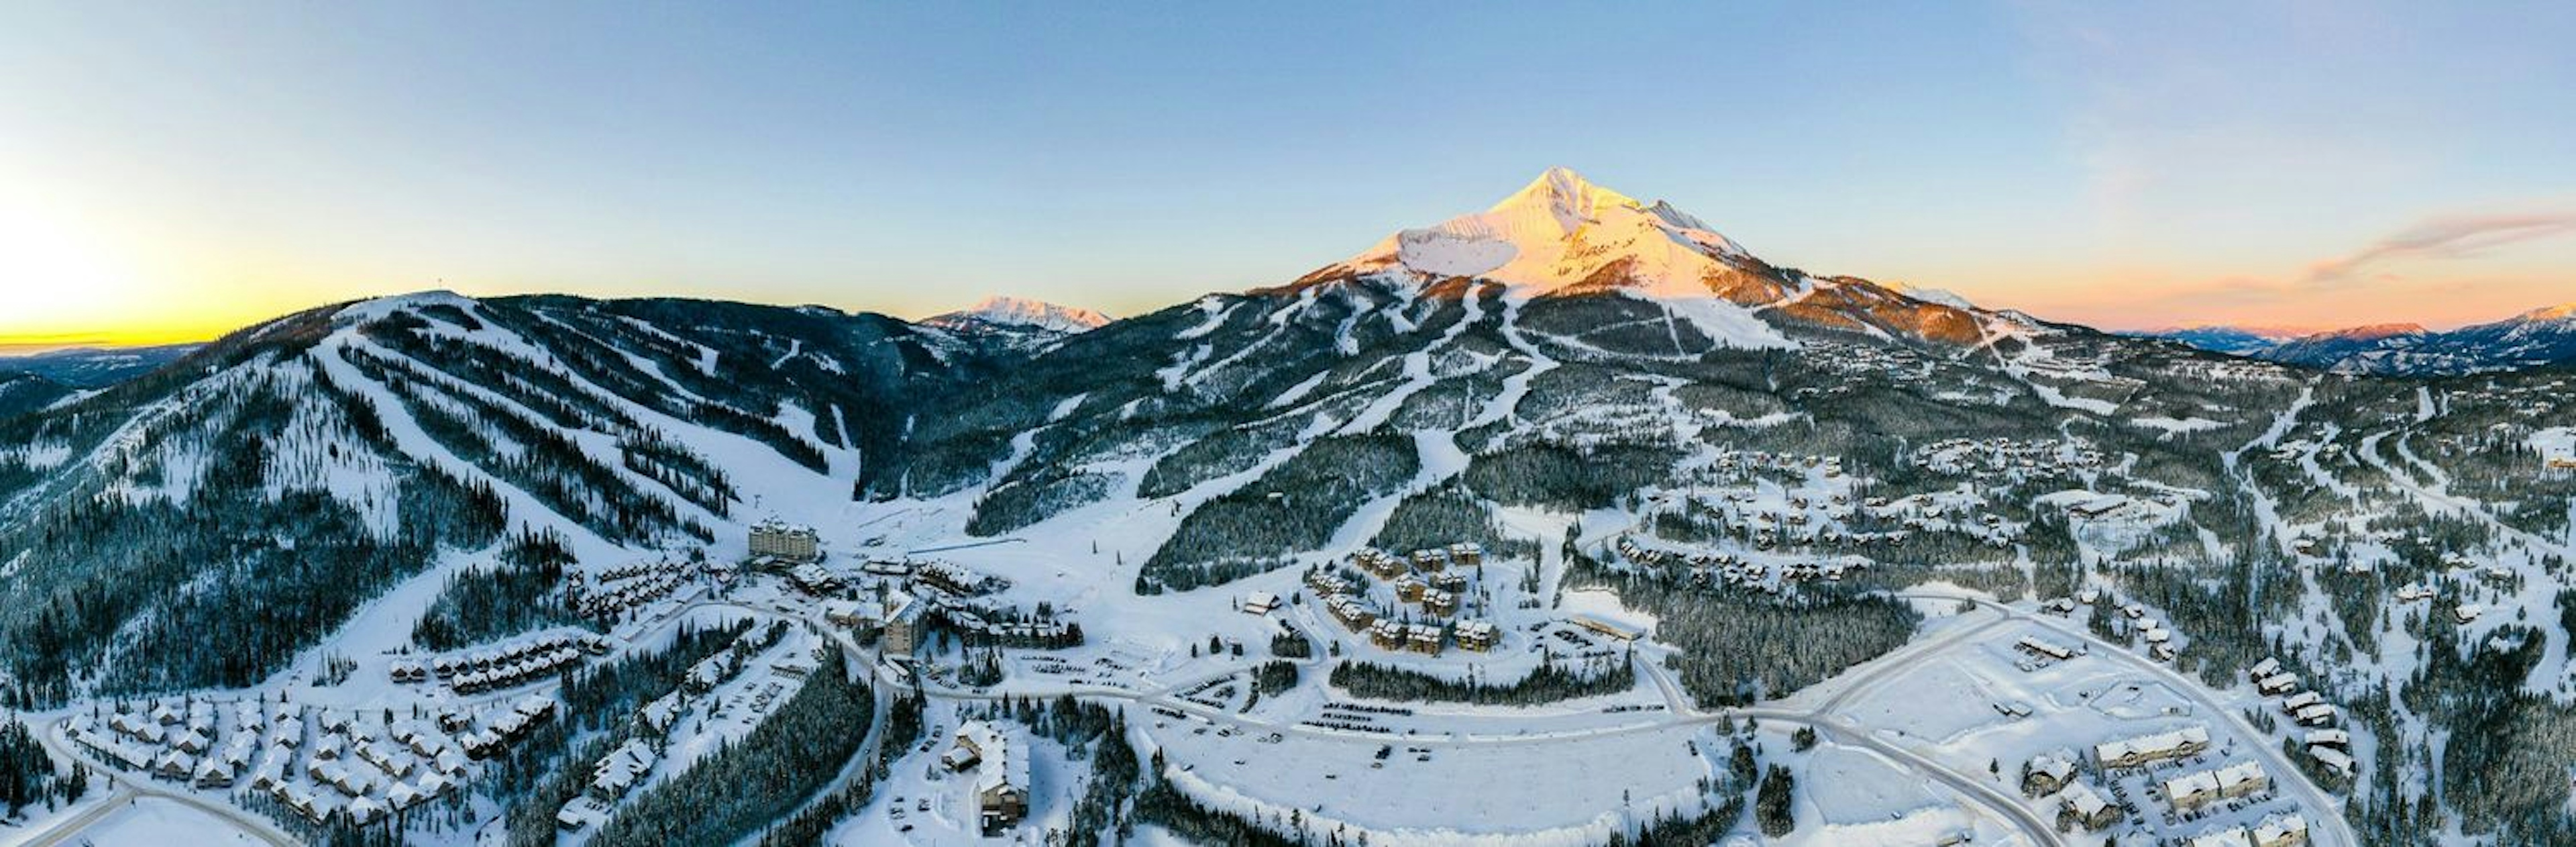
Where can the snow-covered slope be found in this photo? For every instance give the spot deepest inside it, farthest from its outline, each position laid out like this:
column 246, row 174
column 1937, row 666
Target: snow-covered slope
column 365, row 443
column 1005, row 311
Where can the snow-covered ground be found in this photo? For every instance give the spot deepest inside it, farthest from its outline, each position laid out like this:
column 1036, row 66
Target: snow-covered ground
column 150, row 822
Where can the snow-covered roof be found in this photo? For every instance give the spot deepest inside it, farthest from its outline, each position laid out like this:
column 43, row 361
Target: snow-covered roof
column 2152, row 745
column 997, row 765
column 2083, row 799
column 2195, row 782
column 2275, row 828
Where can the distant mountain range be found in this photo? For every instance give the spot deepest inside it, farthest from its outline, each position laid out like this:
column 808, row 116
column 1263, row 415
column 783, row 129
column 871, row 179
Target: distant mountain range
column 1017, row 322
column 34, row 382
column 2233, row 340
column 2538, row 337
column 95, row 367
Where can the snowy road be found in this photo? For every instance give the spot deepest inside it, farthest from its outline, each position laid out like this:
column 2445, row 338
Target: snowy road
column 130, row 788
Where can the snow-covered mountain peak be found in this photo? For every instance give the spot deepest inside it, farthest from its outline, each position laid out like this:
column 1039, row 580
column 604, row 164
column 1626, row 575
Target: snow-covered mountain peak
column 1560, row 230
column 2560, row 312
column 1565, row 196
column 1937, row 296
column 1001, row 310
column 2375, row 331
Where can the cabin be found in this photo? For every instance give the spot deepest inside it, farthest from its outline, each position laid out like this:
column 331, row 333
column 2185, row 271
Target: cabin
column 403, row 795
column 302, row 801
column 213, row 773
column 1387, row 635
column 1259, row 603
column 2322, row 714
column 2045, row 775
column 2277, row 684
column 2328, row 738
column 2079, row 805
column 2336, row 760
column 1354, row 615
column 364, row 810
column 1479, row 636
column 619, row 771
column 1378, row 562
column 1327, row 584
column 1431, row 560
column 1423, row 638
column 2288, row 829
column 1467, row 554
column 813, row 579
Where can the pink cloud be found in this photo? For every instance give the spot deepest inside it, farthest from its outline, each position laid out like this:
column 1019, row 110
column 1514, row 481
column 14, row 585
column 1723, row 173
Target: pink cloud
column 2443, row 238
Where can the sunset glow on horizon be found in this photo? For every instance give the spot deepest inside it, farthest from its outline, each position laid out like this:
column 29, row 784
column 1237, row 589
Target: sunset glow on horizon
column 176, row 172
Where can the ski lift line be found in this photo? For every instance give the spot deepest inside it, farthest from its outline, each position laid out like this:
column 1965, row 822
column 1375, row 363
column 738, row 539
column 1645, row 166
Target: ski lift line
column 882, row 518
column 942, row 549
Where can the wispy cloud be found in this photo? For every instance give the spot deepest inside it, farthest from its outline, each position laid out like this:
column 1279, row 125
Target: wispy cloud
column 2392, row 278
column 2443, row 238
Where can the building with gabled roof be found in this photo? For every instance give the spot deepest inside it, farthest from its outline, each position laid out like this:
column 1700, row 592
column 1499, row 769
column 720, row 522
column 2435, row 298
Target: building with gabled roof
column 1478, row 635
column 2288, row 829
column 2132, row 752
column 1001, row 772
column 2046, row 774
column 2080, row 805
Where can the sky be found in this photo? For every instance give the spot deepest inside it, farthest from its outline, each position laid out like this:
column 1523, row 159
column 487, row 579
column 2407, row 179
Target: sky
column 169, row 172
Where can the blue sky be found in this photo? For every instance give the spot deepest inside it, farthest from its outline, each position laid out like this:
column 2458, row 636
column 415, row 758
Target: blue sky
column 2121, row 164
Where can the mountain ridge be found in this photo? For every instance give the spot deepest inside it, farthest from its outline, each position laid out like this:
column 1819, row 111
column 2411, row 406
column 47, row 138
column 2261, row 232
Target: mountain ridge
column 2532, row 338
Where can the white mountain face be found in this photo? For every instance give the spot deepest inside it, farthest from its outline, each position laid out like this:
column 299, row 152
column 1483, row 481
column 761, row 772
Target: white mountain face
column 1559, row 231
column 1000, row 310
column 1560, row 234
column 1941, row 296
